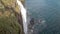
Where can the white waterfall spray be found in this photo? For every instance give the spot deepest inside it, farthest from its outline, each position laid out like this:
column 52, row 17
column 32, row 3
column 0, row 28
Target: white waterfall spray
column 23, row 12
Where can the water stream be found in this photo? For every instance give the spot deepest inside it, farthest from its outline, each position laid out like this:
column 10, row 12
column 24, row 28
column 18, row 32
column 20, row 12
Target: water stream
column 23, row 12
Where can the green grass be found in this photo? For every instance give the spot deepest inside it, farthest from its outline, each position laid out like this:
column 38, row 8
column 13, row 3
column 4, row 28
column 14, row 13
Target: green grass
column 9, row 25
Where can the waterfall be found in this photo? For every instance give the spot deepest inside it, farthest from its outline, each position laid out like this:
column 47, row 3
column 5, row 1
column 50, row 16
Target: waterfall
column 23, row 12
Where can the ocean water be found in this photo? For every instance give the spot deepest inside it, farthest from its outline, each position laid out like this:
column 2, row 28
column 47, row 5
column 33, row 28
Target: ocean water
column 47, row 9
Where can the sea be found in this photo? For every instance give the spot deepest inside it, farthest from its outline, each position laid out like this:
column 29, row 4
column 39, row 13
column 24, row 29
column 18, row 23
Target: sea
column 47, row 9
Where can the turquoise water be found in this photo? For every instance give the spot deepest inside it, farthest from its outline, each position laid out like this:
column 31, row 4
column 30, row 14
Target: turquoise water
column 49, row 10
